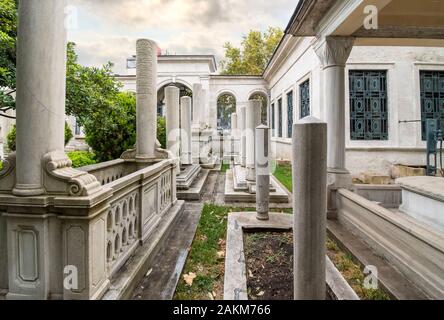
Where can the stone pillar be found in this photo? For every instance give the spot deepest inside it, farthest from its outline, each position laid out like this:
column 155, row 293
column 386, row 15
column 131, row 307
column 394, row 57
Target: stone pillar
column 41, row 74
column 262, row 171
column 172, row 94
column 185, row 132
column 309, row 151
column 146, row 96
column 234, row 135
column 243, row 147
column 234, row 124
column 195, row 144
column 252, row 120
column 203, row 108
column 333, row 53
column 197, row 104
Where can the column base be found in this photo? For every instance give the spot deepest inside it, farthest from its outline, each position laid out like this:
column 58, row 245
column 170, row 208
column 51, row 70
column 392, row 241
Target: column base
column 28, row 190
column 336, row 179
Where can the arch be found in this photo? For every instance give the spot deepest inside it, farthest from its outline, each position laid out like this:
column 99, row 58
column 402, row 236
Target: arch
column 185, row 90
column 263, row 96
column 226, row 105
column 169, row 81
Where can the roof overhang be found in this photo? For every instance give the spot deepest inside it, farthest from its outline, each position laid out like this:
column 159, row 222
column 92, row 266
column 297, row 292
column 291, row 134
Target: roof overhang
column 397, row 19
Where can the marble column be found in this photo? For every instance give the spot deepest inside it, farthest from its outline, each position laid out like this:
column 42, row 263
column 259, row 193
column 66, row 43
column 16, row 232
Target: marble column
column 262, row 171
column 41, row 75
column 243, row 147
column 234, row 124
column 146, row 98
column 203, row 108
column 252, row 120
column 333, row 53
column 172, row 94
column 197, row 104
column 234, row 134
column 195, row 144
column 185, row 132
column 309, row 163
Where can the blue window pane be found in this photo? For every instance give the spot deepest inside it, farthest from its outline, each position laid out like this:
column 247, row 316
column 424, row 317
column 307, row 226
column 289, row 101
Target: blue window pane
column 304, row 93
column 432, row 98
column 280, row 118
column 368, row 105
column 290, row 114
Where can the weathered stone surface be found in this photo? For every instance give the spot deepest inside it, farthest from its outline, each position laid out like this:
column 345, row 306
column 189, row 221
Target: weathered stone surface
column 185, row 130
column 414, row 249
column 252, row 120
column 172, row 94
column 310, row 207
column 146, row 99
column 375, row 178
column 262, row 172
column 400, row 171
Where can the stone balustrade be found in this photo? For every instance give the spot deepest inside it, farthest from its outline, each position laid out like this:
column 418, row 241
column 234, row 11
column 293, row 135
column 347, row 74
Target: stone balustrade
column 93, row 236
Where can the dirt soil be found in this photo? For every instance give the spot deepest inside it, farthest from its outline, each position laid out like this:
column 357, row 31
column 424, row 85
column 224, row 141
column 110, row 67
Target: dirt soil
column 269, row 265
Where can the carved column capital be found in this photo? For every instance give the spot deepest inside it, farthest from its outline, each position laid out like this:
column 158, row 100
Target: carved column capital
column 334, row 51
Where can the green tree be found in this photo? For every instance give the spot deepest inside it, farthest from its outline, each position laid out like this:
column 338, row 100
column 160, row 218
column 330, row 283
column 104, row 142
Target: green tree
column 11, row 137
column 8, row 36
column 255, row 52
column 89, row 90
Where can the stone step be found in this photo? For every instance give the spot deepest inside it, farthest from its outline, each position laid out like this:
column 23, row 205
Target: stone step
column 163, row 274
column 124, row 282
column 391, row 280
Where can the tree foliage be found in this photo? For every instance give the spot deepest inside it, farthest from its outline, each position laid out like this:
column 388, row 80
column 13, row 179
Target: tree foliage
column 11, row 137
column 255, row 52
column 8, row 36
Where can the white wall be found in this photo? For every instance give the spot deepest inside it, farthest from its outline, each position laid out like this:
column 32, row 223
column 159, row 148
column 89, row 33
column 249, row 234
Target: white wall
column 402, row 65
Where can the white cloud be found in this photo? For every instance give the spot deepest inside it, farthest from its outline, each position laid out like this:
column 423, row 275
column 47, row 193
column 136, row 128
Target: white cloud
column 181, row 26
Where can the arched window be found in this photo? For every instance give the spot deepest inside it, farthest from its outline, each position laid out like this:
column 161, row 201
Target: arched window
column 226, row 105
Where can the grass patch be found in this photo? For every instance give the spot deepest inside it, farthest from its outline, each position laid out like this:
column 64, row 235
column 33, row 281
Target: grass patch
column 207, row 255
column 283, row 174
column 203, row 259
column 224, row 167
column 353, row 273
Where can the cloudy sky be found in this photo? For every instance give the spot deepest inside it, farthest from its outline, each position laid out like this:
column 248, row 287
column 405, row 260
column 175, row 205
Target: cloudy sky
column 106, row 30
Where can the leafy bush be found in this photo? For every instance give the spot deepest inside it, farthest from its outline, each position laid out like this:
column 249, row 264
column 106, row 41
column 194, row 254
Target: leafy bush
column 68, row 134
column 10, row 139
column 112, row 130
column 161, row 131
column 82, row 158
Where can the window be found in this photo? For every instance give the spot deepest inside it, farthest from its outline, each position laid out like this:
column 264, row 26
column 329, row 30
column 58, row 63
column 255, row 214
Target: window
column 368, row 105
column 273, row 124
column 304, row 94
column 432, row 98
column 290, row 114
column 280, row 118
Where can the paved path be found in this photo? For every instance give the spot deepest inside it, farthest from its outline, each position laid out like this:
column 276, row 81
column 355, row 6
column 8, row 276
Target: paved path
column 161, row 280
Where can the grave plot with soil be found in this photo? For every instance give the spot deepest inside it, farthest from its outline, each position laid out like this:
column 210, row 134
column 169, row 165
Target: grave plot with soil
column 269, row 267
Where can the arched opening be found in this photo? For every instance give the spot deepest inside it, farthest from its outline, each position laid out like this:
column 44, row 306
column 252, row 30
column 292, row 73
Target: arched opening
column 184, row 91
column 226, row 105
column 264, row 107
